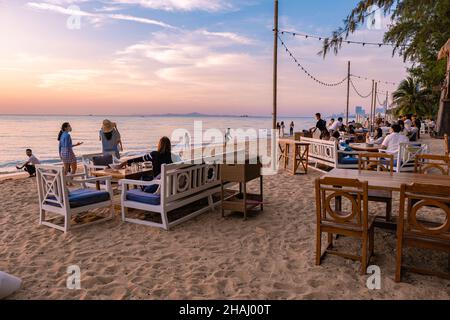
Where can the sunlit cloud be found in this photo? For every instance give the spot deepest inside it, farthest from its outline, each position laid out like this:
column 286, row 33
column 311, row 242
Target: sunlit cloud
column 94, row 18
column 182, row 5
column 166, row 5
column 229, row 35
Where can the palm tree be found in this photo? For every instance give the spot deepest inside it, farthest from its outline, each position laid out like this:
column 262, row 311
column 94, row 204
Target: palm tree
column 411, row 98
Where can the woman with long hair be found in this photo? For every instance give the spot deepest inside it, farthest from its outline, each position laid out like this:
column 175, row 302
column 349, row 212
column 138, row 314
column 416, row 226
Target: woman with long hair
column 377, row 139
column 66, row 149
column 163, row 155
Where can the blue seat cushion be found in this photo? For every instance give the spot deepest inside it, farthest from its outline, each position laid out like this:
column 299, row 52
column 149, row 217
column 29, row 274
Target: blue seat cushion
column 348, row 160
column 140, row 196
column 84, row 197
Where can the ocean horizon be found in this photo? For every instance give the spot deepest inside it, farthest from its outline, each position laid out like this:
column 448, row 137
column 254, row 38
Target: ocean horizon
column 139, row 133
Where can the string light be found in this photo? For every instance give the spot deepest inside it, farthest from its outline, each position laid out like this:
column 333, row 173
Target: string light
column 379, row 101
column 357, row 92
column 340, row 39
column 306, row 71
column 379, row 81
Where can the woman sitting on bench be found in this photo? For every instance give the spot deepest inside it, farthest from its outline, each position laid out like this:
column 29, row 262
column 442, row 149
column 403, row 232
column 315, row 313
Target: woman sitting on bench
column 163, row 155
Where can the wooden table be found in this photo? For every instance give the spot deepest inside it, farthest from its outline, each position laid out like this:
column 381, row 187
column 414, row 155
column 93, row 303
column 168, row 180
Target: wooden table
column 241, row 201
column 386, row 181
column 295, row 151
column 122, row 174
column 365, row 148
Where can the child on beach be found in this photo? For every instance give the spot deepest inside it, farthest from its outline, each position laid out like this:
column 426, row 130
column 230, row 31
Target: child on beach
column 30, row 165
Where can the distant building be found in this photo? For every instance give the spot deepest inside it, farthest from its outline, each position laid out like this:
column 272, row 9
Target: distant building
column 359, row 111
column 380, row 110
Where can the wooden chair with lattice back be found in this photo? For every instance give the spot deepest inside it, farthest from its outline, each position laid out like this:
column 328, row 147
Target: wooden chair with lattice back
column 378, row 162
column 428, row 232
column 352, row 221
column 432, row 164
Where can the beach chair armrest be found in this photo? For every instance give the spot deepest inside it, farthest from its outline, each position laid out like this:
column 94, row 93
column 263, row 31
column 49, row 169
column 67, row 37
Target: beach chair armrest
column 139, row 182
column 90, row 180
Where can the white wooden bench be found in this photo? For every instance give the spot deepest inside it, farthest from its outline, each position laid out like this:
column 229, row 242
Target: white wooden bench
column 180, row 185
column 326, row 153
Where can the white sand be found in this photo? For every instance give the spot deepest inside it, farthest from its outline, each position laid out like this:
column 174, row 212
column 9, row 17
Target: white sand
column 270, row 256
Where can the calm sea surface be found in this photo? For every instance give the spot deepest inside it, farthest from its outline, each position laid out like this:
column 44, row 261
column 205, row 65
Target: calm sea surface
column 138, row 133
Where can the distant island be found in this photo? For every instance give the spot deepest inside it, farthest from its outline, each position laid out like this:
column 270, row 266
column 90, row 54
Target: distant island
column 202, row 115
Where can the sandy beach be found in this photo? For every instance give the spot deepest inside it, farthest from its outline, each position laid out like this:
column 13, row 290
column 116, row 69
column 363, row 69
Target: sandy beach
column 270, row 256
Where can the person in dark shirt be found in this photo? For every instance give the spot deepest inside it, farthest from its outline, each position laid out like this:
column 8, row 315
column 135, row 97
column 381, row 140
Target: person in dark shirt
column 418, row 124
column 321, row 125
column 162, row 156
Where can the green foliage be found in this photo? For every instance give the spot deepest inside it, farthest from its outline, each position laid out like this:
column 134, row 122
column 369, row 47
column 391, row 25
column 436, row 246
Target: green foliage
column 412, row 98
column 419, row 28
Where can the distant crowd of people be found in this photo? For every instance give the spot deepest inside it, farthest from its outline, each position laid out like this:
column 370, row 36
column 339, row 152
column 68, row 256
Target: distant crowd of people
column 389, row 136
column 281, row 128
column 111, row 142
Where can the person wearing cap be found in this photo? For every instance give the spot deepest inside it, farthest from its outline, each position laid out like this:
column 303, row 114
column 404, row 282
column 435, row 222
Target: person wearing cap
column 110, row 138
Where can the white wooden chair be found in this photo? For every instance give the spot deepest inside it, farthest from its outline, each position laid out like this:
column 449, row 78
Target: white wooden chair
column 90, row 164
column 405, row 158
column 55, row 197
column 179, row 186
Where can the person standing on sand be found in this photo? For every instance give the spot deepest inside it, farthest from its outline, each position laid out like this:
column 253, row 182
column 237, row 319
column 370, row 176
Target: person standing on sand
column 66, row 149
column 228, row 135
column 321, row 125
column 282, row 127
column 291, row 129
column 30, row 165
column 110, row 138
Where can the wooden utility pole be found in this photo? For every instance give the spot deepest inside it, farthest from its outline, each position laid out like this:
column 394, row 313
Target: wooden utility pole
column 386, row 104
column 275, row 67
column 371, row 107
column 375, row 104
column 348, row 90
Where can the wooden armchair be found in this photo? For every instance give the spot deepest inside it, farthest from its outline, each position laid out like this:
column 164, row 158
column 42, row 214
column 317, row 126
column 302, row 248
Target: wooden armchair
column 430, row 233
column 355, row 223
column 378, row 162
column 432, row 164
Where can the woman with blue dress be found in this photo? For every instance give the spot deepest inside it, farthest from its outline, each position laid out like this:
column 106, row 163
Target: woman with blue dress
column 66, row 149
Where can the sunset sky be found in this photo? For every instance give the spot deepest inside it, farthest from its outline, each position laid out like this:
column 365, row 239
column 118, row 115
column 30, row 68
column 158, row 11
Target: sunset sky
column 159, row 56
